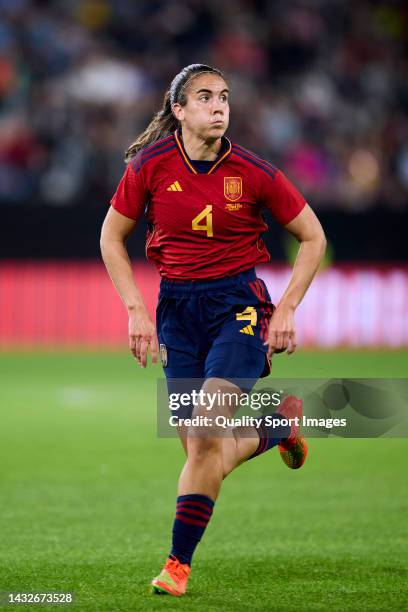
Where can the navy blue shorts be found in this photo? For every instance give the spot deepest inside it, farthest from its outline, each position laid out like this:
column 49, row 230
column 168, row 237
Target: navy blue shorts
column 214, row 328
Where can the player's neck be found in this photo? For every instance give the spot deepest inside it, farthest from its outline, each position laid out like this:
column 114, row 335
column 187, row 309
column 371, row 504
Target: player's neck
column 201, row 150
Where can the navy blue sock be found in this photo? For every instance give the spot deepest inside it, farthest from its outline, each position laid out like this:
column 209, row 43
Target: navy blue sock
column 270, row 436
column 192, row 515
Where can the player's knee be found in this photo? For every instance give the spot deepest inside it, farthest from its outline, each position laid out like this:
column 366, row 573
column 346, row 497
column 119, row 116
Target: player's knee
column 199, row 448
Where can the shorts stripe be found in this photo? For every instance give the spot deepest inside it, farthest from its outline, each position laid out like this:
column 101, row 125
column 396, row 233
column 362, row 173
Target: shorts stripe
column 255, row 289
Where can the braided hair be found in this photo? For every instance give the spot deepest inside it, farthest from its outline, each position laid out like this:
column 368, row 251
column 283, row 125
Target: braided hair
column 164, row 121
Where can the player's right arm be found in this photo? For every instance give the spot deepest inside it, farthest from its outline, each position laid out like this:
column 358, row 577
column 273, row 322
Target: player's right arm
column 127, row 206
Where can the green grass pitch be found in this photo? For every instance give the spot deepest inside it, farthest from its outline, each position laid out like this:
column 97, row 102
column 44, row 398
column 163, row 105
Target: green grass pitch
column 88, row 495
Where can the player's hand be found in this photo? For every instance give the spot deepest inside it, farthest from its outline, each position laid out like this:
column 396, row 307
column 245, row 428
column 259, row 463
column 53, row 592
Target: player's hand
column 282, row 331
column 142, row 335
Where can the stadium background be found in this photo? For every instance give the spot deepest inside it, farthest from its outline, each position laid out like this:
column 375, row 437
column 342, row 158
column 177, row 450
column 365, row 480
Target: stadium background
column 319, row 88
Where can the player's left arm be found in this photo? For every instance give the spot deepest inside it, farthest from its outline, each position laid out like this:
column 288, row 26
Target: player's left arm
column 306, row 228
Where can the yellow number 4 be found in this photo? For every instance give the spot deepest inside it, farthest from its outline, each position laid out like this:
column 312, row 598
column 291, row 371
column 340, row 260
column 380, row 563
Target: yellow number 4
column 207, row 226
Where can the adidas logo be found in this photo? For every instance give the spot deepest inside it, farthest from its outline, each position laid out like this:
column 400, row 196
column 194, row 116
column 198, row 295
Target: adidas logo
column 175, row 187
column 247, row 330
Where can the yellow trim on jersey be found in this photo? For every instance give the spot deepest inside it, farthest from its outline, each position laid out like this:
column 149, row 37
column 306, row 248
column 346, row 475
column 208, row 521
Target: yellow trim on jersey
column 183, row 154
column 217, row 163
column 186, row 159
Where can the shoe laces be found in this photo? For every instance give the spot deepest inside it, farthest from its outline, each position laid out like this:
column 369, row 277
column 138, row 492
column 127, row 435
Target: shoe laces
column 177, row 569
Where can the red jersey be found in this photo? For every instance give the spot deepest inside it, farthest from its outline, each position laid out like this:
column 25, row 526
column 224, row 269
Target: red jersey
column 204, row 225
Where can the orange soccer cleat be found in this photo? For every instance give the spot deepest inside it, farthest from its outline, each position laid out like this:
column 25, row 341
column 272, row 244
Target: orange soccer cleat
column 173, row 578
column 293, row 449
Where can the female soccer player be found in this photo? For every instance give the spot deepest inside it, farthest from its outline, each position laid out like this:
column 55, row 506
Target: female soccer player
column 203, row 197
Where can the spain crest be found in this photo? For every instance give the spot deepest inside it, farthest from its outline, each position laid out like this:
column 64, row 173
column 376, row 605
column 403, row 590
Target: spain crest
column 232, row 188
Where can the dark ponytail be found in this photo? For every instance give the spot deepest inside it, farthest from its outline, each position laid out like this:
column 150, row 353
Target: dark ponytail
column 164, row 122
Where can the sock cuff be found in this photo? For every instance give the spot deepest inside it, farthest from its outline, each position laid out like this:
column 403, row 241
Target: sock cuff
column 267, row 439
column 203, row 499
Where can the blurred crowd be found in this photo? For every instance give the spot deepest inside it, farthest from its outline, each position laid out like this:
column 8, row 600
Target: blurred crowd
column 318, row 87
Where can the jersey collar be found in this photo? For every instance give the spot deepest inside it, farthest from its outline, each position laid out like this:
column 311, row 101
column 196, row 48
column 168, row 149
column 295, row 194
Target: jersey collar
column 222, row 156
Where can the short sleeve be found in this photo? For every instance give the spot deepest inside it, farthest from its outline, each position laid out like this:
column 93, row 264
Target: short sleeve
column 131, row 195
column 281, row 197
